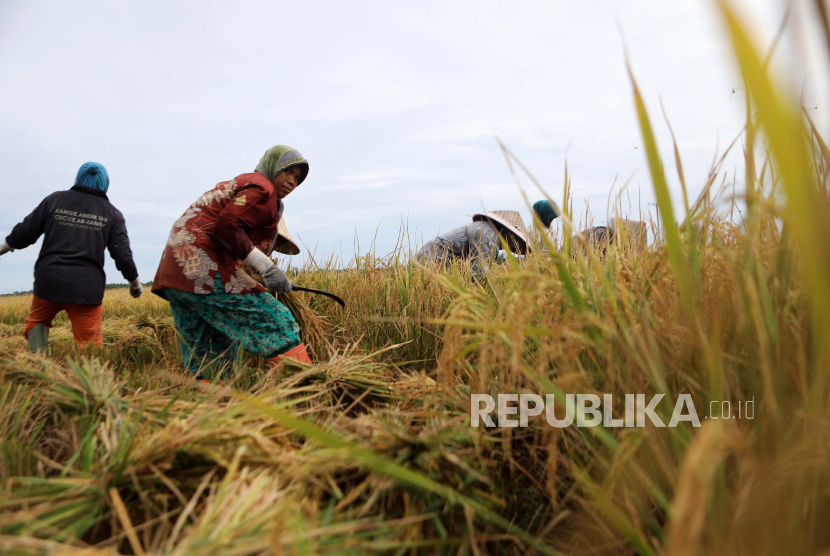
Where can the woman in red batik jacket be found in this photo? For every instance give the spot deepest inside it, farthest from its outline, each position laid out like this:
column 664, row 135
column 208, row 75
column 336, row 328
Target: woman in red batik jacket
column 205, row 272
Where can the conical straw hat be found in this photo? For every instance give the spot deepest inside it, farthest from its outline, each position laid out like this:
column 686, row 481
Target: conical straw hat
column 507, row 220
column 285, row 243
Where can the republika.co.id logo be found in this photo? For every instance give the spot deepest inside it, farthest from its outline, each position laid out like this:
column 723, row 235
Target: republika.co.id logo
column 589, row 410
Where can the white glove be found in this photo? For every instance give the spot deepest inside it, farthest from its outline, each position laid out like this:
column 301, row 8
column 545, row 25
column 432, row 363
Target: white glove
column 5, row 248
column 275, row 279
column 136, row 289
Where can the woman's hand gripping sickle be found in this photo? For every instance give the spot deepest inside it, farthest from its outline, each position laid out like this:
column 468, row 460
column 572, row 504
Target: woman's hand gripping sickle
column 273, row 278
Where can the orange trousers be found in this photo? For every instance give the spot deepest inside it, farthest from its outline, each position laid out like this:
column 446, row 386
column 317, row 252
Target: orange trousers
column 85, row 319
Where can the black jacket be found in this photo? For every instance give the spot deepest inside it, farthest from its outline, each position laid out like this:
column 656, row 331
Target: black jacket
column 79, row 224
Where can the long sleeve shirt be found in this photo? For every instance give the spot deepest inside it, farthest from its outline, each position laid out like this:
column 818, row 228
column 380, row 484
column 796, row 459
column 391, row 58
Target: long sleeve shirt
column 477, row 241
column 216, row 233
column 78, row 226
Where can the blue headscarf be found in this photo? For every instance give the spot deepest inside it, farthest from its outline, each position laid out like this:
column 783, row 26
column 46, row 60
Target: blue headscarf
column 94, row 175
column 546, row 211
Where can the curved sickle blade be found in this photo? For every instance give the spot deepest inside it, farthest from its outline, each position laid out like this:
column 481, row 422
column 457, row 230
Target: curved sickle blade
column 321, row 292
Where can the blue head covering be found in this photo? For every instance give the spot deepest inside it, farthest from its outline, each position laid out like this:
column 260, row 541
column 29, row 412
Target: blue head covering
column 94, row 175
column 546, row 211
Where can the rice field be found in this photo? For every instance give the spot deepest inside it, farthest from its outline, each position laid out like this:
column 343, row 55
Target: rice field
column 370, row 450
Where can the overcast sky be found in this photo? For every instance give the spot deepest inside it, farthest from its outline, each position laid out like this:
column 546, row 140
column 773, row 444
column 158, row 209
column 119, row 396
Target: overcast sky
column 395, row 104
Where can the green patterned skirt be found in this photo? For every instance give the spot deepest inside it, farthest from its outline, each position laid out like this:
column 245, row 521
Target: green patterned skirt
column 215, row 328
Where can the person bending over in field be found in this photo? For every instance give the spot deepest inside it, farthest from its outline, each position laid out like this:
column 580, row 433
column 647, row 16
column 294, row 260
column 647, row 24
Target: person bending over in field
column 77, row 225
column 626, row 234
column 480, row 241
column 227, row 235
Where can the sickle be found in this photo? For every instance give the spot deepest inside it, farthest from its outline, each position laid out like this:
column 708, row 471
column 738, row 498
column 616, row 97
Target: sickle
column 321, row 292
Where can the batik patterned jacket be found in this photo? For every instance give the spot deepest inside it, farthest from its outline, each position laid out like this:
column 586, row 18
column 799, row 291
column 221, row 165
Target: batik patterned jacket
column 215, row 235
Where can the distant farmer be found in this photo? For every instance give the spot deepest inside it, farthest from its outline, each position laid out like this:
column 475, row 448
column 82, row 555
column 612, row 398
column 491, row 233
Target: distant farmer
column 546, row 211
column 77, row 225
column 227, row 235
column 595, row 238
column 479, row 241
column 626, row 234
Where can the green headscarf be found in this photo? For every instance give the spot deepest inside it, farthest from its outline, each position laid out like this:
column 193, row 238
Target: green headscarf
column 546, row 211
column 278, row 158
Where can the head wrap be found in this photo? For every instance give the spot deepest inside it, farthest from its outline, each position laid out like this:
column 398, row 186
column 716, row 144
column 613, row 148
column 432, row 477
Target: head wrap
column 94, row 175
column 278, row 158
column 545, row 211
